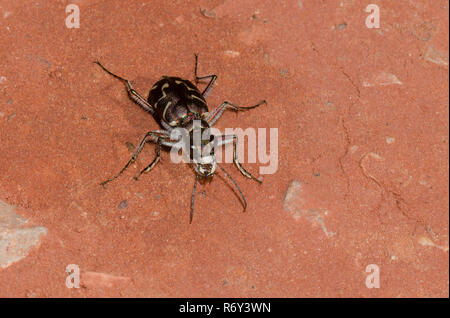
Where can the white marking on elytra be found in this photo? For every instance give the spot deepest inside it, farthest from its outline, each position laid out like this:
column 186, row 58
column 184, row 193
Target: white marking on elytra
column 165, row 109
column 184, row 83
column 163, row 92
column 195, row 96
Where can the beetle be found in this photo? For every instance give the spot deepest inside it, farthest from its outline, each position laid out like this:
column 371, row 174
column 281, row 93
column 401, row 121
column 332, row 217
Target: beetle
column 178, row 103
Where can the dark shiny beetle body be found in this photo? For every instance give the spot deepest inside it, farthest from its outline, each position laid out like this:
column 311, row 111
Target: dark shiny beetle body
column 178, row 103
column 175, row 100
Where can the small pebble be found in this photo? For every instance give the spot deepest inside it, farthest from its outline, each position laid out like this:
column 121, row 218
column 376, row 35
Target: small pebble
column 123, row 204
column 11, row 117
column 231, row 53
column 140, row 195
column 342, row 26
column 130, row 146
column 390, row 140
column 208, row 13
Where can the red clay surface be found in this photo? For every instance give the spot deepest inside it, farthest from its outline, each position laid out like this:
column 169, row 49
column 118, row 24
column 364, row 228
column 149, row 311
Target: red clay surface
column 362, row 116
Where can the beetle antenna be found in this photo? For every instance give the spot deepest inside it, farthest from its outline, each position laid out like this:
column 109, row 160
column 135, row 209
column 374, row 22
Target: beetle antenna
column 109, row 72
column 193, row 199
column 236, row 185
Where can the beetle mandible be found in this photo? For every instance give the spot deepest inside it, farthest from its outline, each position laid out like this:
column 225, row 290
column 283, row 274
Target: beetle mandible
column 178, row 103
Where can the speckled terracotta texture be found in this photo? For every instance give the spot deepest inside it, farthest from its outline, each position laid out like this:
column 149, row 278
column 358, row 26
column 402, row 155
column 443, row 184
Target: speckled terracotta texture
column 362, row 116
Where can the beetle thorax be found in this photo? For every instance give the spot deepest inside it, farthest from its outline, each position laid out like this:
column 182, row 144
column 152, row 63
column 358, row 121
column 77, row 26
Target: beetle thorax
column 202, row 148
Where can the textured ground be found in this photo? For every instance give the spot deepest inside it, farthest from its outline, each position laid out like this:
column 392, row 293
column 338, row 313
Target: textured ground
column 362, row 118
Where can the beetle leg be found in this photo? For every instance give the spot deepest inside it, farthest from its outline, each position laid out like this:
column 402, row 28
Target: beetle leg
column 236, row 185
column 138, row 99
column 154, row 162
column 155, row 137
column 217, row 113
column 210, row 85
column 193, row 199
column 226, row 140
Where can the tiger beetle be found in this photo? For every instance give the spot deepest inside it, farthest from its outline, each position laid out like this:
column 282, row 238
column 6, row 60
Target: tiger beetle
column 176, row 103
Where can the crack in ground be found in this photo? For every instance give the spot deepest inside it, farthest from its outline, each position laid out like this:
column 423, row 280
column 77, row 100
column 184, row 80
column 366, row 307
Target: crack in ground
column 398, row 199
column 341, row 158
column 344, row 127
column 358, row 92
column 341, row 69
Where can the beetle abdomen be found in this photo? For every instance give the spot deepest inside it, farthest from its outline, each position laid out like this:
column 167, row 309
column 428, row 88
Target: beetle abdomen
column 174, row 99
